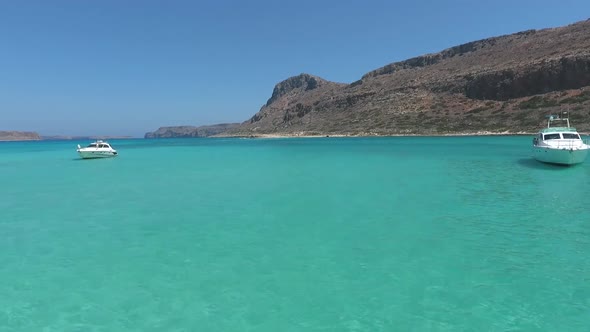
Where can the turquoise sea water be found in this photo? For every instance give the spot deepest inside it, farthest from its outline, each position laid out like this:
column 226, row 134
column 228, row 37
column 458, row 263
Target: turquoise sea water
column 351, row 234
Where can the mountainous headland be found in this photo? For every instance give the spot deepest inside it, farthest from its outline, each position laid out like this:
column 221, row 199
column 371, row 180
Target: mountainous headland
column 499, row 85
column 19, row 136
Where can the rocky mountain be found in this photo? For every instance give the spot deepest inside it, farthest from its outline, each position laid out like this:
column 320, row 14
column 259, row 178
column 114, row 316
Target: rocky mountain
column 19, row 136
column 497, row 85
column 190, row 131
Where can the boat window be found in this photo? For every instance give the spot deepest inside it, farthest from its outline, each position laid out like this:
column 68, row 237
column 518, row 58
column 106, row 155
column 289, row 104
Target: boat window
column 551, row 136
column 570, row 136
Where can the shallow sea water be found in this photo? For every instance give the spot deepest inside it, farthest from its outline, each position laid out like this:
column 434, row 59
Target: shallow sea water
column 325, row 234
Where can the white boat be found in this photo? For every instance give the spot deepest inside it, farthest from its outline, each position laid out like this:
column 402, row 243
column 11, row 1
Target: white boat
column 98, row 149
column 559, row 145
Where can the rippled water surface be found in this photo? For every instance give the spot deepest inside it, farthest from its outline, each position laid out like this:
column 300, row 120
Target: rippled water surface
column 351, row 234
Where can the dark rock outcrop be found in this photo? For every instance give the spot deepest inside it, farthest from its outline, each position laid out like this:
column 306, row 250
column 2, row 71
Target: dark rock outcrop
column 303, row 82
column 539, row 78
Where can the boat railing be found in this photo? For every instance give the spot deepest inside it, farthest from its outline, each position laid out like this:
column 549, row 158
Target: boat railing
column 562, row 116
column 569, row 144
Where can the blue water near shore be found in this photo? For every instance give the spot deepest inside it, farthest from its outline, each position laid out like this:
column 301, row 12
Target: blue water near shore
column 327, row 234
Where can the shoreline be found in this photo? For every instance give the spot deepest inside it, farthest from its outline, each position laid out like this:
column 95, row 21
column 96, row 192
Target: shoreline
column 364, row 135
column 303, row 135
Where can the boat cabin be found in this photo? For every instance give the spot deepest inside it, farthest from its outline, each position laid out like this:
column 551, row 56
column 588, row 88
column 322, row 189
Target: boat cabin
column 558, row 133
column 99, row 145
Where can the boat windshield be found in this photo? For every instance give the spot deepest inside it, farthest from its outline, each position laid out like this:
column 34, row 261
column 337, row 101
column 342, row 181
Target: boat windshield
column 570, row 136
column 93, row 145
column 551, row 136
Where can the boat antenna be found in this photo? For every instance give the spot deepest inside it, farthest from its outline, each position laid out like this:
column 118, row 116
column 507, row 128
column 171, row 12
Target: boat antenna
column 565, row 116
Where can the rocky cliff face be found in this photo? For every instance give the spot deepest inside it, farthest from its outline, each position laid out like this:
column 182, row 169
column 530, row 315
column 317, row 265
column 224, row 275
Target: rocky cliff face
column 190, row 131
column 19, row 136
column 286, row 93
column 303, row 82
column 565, row 73
column 501, row 84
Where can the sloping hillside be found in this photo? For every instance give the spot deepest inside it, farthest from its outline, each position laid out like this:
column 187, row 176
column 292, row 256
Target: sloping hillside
column 501, row 84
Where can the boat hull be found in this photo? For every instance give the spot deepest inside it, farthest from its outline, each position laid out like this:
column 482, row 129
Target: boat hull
column 559, row 156
column 97, row 154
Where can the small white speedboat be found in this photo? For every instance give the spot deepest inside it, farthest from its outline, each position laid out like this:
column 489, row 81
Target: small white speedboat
column 98, row 149
column 559, row 145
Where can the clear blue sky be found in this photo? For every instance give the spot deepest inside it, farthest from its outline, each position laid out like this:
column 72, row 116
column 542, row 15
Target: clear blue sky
column 126, row 67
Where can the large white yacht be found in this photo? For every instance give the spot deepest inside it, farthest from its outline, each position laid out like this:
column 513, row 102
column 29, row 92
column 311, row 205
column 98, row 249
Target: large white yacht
column 98, row 149
column 559, row 145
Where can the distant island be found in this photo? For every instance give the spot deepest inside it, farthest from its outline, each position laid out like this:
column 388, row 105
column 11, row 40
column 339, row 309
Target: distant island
column 33, row 136
column 499, row 85
column 69, row 138
column 191, row 131
column 19, row 136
